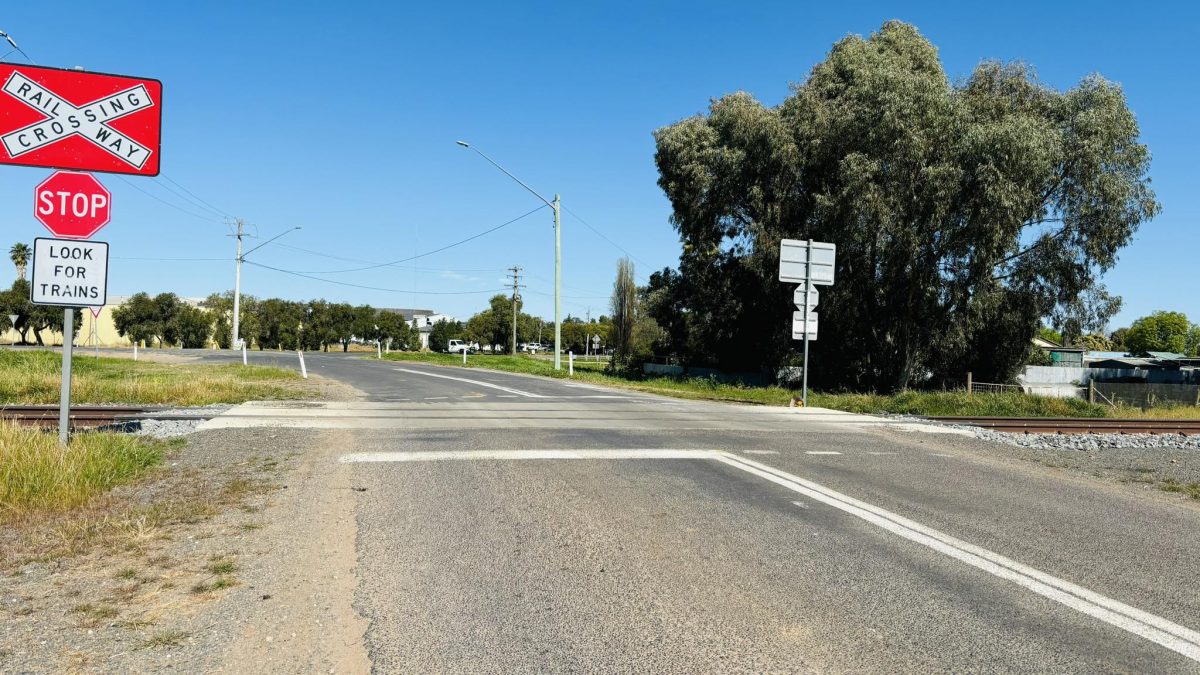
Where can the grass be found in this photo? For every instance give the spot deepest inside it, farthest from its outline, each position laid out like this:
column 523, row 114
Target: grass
column 931, row 403
column 33, row 376
column 37, row 475
column 1172, row 485
column 170, row 638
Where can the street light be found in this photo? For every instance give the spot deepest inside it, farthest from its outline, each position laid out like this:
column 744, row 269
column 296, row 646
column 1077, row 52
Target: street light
column 556, row 205
column 237, row 281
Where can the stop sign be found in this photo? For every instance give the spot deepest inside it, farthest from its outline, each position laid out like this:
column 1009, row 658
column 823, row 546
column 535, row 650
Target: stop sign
column 72, row 205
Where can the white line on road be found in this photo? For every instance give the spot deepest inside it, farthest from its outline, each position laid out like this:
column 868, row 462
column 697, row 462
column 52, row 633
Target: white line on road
column 449, row 455
column 436, row 398
column 489, row 385
column 822, row 452
column 761, row 452
column 800, row 504
column 1173, row 636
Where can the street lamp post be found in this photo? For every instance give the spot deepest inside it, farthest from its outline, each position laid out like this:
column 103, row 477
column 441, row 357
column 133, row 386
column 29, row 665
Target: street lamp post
column 556, row 205
column 237, row 280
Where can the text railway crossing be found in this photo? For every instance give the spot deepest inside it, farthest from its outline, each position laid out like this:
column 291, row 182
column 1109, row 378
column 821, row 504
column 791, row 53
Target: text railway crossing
column 90, row 121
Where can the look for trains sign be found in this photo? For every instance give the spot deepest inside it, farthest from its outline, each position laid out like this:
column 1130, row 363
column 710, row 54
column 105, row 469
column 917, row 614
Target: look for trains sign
column 73, row 119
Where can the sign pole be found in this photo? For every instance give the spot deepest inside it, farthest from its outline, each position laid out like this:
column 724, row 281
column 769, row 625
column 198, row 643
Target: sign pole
column 807, row 285
column 64, row 396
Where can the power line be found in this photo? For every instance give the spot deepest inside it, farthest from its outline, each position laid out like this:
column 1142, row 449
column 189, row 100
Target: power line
column 193, row 194
column 605, row 238
column 429, row 253
column 369, row 288
column 190, row 201
column 372, row 262
column 160, row 199
column 117, row 257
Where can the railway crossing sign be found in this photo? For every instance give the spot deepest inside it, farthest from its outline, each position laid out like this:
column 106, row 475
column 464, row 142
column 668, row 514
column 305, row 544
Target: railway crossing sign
column 72, row 205
column 75, row 119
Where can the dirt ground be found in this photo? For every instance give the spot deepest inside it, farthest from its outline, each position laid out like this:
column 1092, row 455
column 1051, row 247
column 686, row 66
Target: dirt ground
column 236, row 556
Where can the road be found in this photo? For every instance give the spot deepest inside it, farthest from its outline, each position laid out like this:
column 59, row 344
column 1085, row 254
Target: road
column 515, row 524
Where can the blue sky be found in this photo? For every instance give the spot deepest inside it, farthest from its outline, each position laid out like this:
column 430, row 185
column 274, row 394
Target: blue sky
column 341, row 118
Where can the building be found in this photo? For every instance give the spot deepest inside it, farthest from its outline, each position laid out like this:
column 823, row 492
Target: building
column 422, row 320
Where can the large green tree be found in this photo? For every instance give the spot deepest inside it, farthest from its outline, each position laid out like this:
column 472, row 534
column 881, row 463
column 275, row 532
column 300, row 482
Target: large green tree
column 1159, row 332
column 964, row 213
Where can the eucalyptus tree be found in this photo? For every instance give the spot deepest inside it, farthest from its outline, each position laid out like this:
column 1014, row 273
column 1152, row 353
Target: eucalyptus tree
column 964, row 212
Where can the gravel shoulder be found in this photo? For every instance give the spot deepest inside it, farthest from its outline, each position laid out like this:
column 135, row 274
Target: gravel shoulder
column 1163, row 466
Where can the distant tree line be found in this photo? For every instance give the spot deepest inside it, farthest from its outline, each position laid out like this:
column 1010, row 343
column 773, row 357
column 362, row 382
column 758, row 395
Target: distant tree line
column 270, row 323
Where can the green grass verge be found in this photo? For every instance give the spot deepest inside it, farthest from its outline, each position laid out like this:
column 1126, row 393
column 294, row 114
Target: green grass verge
column 31, row 377
column 37, row 475
column 931, row 403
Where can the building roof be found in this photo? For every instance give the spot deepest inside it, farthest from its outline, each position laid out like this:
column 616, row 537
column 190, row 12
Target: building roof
column 1169, row 356
column 1105, row 355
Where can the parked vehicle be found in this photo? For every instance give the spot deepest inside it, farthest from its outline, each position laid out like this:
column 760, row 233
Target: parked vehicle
column 531, row 347
column 458, row 347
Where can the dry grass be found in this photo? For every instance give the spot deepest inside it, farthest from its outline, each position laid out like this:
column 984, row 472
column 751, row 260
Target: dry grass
column 33, row 377
column 38, row 475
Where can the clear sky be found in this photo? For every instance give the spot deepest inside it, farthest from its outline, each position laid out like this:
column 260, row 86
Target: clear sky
column 341, row 118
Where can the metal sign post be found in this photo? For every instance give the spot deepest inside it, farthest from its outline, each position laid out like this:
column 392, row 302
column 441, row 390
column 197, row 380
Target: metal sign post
column 807, row 285
column 806, row 263
column 64, row 393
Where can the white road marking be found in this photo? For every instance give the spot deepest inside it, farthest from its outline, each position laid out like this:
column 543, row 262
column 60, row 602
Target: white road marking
column 822, row 452
column 1173, row 636
column 761, row 452
column 939, row 454
column 436, row 398
column 801, row 505
column 445, row 455
column 507, row 396
column 489, row 385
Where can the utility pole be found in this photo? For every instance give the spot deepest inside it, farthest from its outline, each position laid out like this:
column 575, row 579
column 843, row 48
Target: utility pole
column 515, row 273
column 557, row 206
column 237, row 284
column 237, row 280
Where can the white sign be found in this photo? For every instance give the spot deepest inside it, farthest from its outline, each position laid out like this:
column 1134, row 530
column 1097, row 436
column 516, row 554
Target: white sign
column 69, row 272
column 794, row 259
column 798, row 325
column 814, row 297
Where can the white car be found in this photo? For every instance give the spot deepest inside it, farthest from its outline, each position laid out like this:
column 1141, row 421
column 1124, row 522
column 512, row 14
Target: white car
column 458, row 347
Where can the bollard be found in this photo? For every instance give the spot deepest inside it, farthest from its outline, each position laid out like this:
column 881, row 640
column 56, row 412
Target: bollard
column 135, row 351
column 464, row 357
column 244, row 353
column 571, row 364
column 378, row 349
column 303, row 370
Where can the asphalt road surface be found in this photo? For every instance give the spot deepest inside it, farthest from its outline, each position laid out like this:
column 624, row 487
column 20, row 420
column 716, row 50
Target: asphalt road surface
column 516, row 524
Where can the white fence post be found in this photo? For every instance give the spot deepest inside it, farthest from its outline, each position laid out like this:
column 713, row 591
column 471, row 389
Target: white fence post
column 303, row 370
column 571, row 364
column 244, row 353
column 135, row 350
column 464, row 357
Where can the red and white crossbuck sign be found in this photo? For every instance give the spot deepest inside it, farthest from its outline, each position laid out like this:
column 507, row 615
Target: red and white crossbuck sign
column 80, row 120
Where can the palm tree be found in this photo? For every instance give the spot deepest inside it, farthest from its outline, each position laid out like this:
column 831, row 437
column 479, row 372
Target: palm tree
column 20, row 256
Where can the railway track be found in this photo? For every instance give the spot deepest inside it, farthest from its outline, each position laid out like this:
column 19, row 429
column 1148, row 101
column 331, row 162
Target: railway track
column 1077, row 425
column 87, row 416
